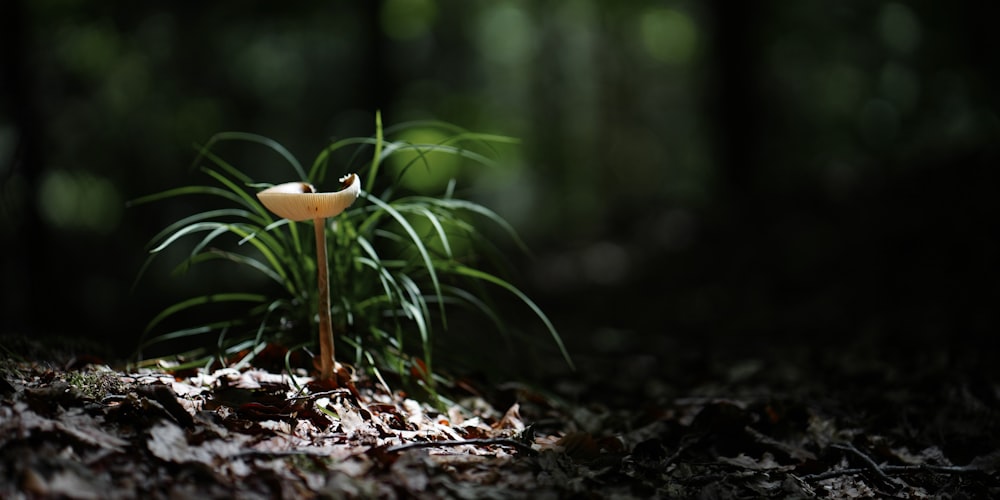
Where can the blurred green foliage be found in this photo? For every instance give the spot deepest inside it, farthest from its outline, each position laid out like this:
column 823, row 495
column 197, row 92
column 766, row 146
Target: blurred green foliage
column 647, row 125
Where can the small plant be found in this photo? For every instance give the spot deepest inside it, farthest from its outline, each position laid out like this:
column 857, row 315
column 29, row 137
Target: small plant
column 394, row 264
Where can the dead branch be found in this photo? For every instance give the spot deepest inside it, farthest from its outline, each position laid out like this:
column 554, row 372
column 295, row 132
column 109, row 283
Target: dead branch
column 868, row 462
column 466, row 442
column 892, row 469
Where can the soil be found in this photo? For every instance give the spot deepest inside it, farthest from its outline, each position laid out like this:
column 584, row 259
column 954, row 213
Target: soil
column 751, row 428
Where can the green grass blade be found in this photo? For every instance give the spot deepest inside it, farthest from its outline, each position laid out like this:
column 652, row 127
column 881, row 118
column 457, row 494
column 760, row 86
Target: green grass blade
column 424, row 329
column 258, row 347
column 266, row 245
column 184, row 191
column 216, row 254
column 421, row 248
column 374, row 262
column 423, row 149
column 317, row 172
column 259, row 139
column 377, row 156
column 208, row 239
column 269, row 248
column 495, row 218
column 216, row 298
column 190, row 332
column 292, row 232
column 225, row 166
column 436, row 222
column 477, row 303
column 210, row 214
column 193, row 228
column 246, row 199
column 484, row 276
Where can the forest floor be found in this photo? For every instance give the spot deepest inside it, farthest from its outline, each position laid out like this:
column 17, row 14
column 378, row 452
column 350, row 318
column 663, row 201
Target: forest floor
column 73, row 429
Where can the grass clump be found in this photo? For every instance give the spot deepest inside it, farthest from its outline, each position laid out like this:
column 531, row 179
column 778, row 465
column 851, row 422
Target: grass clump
column 398, row 260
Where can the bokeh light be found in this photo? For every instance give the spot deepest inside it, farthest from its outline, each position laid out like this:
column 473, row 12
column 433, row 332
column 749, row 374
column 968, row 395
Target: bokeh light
column 408, row 19
column 668, row 35
column 79, row 201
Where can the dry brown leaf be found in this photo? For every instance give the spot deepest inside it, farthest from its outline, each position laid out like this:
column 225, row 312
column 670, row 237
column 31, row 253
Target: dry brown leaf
column 169, row 442
column 511, row 419
column 61, row 484
column 73, row 423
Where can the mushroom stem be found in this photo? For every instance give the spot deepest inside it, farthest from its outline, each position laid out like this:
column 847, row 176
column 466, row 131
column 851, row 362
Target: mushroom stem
column 326, row 353
column 299, row 201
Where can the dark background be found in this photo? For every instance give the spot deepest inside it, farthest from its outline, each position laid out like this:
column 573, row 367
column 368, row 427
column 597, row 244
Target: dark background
column 699, row 182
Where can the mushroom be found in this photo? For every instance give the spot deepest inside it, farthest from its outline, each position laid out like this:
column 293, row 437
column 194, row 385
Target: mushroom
column 299, row 201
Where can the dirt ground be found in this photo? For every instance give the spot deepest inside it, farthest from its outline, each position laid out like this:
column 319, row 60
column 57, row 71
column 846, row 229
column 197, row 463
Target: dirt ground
column 70, row 428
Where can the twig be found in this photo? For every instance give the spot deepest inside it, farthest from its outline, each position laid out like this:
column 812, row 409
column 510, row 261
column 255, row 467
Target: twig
column 830, row 474
column 791, row 451
column 685, row 443
column 941, row 469
column 893, row 469
column 884, row 471
column 303, row 452
column 317, row 395
column 867, row 460
column 459, row 442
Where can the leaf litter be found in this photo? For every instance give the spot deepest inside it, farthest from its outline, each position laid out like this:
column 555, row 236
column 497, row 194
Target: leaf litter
column 255, row 434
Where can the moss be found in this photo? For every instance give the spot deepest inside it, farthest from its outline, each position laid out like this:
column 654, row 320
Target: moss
column 96, row 383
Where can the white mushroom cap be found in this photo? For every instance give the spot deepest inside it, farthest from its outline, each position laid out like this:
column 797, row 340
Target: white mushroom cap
column 299, row 201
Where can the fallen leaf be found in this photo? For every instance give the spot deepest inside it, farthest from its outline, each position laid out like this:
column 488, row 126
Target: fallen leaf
column 169, row 442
